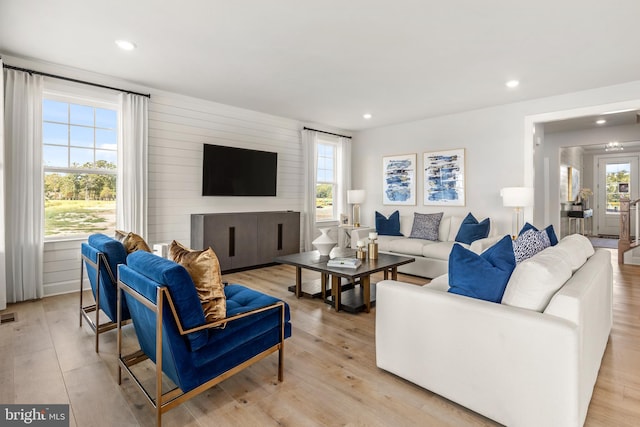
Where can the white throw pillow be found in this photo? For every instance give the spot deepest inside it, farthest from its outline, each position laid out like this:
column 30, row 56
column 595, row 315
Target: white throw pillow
column 572, row 250
column 445, row 224
column 456, row 222
column 583, row 242
column 535, row 280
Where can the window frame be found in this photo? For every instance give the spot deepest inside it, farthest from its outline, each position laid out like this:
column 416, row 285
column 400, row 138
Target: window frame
column 83, row 97
column 334, row 183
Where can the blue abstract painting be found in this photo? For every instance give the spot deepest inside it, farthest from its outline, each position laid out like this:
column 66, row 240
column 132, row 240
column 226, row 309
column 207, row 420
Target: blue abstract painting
column 444, row 178
column 399, row 180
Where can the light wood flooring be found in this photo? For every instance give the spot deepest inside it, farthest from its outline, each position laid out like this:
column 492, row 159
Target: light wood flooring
column 330, row 372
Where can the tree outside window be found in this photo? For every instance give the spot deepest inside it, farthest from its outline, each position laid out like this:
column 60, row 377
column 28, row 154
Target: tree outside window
column 326, row 182
column 617, row 179
column 80, row 148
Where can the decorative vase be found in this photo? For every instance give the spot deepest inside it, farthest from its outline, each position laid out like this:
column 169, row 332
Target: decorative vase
column 324, row 243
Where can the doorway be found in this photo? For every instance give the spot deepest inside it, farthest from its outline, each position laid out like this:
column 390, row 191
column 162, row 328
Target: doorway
column 617, row 177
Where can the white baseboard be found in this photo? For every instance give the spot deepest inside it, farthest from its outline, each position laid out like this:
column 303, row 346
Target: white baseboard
column 59, row 288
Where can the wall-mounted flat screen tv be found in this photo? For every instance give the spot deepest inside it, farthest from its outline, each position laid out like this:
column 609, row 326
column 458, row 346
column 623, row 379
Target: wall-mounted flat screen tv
column 231, row 171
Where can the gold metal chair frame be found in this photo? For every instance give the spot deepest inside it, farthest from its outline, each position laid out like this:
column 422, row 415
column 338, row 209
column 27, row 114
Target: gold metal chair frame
column 172, row 398
column 86, row 310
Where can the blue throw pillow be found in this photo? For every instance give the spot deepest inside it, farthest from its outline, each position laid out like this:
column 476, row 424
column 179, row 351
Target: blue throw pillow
column 550, row 232
column 483, row 276
column 388, row 226
column 472, row 230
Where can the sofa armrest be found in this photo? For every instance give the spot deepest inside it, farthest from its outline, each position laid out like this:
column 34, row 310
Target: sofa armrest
column 360, row 234
column 503, row 362
column 481, row 245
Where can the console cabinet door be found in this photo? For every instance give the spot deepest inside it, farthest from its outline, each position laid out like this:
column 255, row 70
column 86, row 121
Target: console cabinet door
column 278, row 234
column 246, row 239
column 245, row 250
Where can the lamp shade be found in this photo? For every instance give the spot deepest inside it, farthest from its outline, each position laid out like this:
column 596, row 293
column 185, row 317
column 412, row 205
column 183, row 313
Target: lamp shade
column 517, row 197
column 355, row 196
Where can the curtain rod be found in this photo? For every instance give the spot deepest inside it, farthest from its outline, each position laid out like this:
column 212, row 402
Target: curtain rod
column 328, row 133
column 69, row 79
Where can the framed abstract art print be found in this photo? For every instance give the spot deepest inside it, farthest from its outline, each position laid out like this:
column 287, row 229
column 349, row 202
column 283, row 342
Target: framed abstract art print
column 399, row 179
column 444, row 178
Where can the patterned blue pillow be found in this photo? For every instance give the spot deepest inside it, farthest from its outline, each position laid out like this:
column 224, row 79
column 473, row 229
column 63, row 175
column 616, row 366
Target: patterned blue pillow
column 550, row 232
column 530, row 243
column 390, row 226
column 426, row 226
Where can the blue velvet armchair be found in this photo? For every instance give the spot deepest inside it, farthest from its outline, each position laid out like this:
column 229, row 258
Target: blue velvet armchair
column 101, row 256
column 170, row 326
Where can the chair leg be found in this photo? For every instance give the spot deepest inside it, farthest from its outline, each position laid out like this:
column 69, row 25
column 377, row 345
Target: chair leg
column 281, row 363
column 81, row 285
column 98, row 303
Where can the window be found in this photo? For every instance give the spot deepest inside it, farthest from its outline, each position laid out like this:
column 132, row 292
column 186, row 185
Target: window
column 80, row 152
column 326, row 180
column 618, row 178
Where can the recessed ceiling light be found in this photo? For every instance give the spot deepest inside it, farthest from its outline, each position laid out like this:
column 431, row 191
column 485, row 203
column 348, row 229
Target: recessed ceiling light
column 601, row 121
column 125, row 45
column 367, row 116
column 512, row 83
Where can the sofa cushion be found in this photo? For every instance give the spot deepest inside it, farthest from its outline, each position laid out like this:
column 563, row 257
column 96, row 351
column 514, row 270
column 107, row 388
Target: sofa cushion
column 388, row 226
column 471, row 229
column 530, row 243
column 454, row 226
column 553, row 239
column 426, row 226
column 440, row 283
column 445, row 225
column 439, row 250
column 535, row 280
column 408, row 246
column 583, row 242
column 483, row 276
column 574, row 250
column 204, row 269
column 384, row 242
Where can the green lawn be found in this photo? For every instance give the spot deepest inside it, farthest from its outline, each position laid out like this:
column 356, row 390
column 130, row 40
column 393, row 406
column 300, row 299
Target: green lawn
column 73, row 217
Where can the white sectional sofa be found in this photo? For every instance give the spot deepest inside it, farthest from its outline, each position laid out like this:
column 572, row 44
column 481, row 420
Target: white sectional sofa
column 432, row 257
column 517, row 366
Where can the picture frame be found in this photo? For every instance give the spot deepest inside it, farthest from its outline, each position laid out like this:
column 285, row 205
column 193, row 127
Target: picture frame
column 444, row 178
column 399, row 179
column 623, row 187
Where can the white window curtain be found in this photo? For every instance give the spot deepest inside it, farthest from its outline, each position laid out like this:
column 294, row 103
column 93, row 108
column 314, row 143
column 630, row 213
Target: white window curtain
column 309, row 153
column 132, row 165
column 344, row 174
column 23, row 186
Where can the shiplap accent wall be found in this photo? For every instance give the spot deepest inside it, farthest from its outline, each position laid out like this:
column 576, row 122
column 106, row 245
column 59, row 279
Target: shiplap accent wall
column 178, row 128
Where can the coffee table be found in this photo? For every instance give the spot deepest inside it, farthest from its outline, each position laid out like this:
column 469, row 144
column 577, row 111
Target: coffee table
column 314, row 261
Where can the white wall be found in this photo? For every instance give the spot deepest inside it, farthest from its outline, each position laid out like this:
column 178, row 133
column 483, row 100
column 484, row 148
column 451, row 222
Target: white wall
column 499, row 145
column 492, row 139
column 178, row 126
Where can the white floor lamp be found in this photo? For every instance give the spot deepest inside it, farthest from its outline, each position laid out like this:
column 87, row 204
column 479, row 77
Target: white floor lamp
column 517, row 198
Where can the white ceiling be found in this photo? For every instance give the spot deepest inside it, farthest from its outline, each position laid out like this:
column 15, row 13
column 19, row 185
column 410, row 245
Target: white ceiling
column 330, row 61
column 625, row 118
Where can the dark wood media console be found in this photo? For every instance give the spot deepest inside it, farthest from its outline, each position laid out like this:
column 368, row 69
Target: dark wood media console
column 247, row 239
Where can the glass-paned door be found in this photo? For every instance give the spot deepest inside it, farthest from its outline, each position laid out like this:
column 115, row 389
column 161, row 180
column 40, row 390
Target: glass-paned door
column 617, row 178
